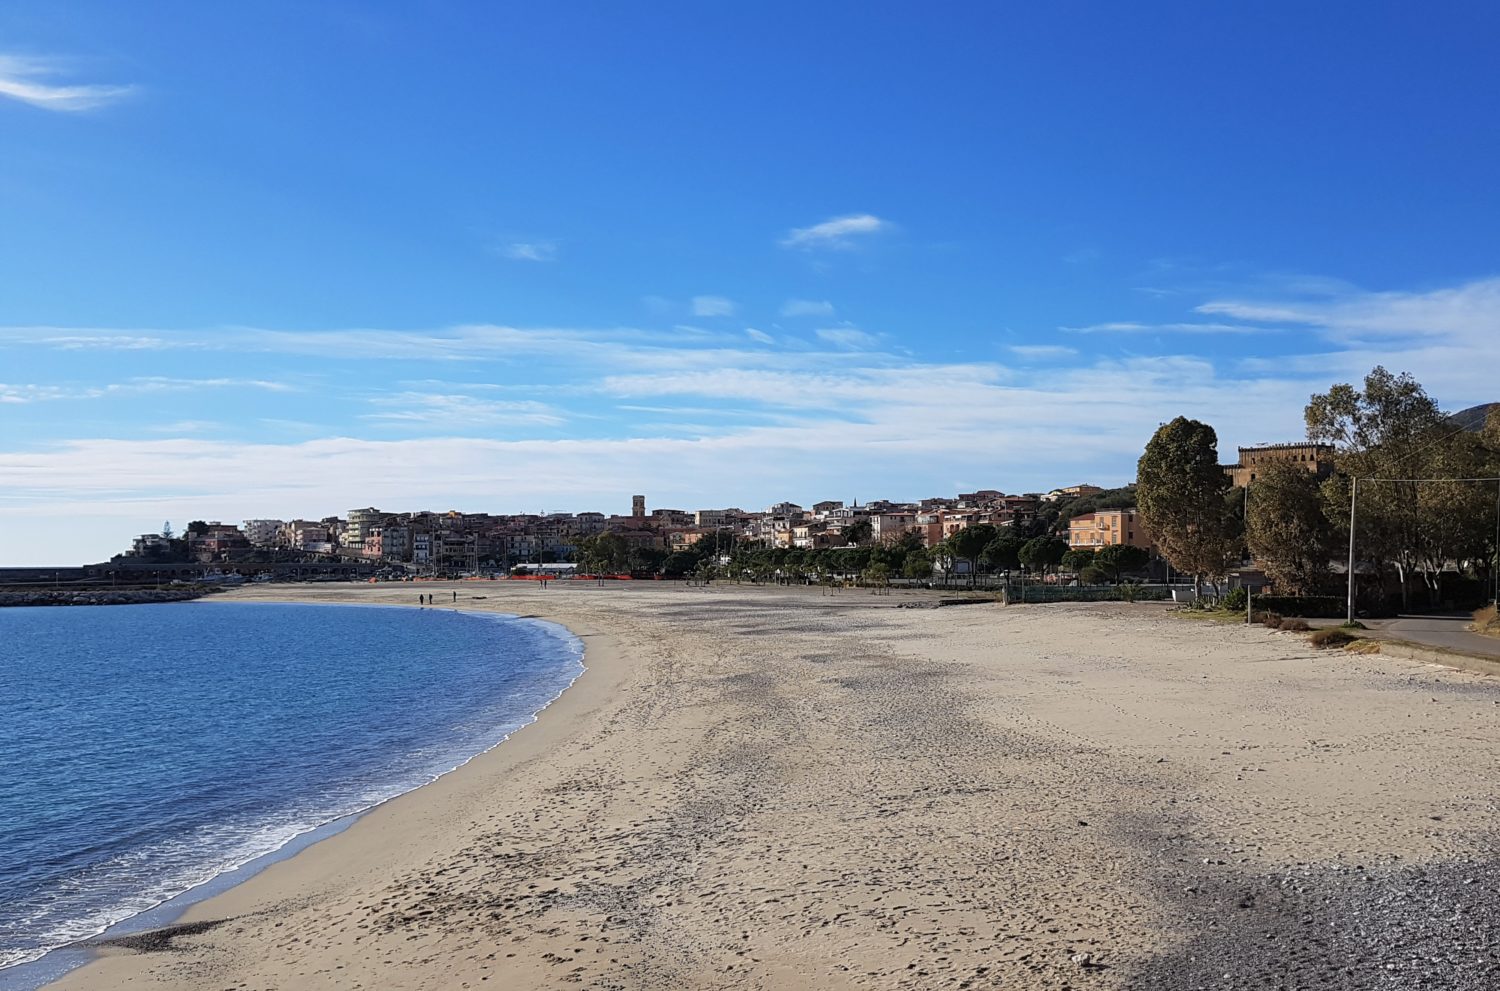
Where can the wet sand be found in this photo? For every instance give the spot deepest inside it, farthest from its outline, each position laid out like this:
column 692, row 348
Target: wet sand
column 762, row 788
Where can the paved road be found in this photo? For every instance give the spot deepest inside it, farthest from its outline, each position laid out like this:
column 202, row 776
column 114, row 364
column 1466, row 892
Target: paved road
column 1445, row 630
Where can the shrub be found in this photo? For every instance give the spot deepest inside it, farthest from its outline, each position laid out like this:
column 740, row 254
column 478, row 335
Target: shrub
column 1234, row 601
column 1325, row 639
column 1270, row 620
column 1128, row 592
column 1311, row 606
column 1487, row 620
column 1294, row 626
column 1353, row 624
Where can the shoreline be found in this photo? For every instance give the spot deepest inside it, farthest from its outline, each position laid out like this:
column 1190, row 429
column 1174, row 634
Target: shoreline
column 764, row 789
column 204, row 905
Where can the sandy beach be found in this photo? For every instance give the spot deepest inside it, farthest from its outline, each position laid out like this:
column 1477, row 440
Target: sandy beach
column 769, row 788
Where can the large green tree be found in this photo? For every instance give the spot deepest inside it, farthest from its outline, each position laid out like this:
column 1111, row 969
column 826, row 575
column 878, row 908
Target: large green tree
column 970, row 542
column 859, row 531
column 1391, row 436
column 1077, row 559
column 1116, row 559
column 1289, row 536
column 1180, row 492
column 1042, row 553
column 1004, row 552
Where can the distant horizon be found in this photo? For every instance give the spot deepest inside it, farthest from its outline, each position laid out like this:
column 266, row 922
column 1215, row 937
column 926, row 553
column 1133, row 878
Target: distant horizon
column 506, row 256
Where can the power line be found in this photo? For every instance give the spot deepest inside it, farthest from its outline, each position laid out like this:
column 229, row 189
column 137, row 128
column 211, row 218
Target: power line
column 1368, row 478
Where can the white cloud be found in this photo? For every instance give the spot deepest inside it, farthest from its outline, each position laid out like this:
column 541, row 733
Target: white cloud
column 21, row 78
column 807, row 308
column 30, row 393
column 848, row 338
column 185, row 427
column 712, row 306
column 448, row 411
column 1468, row 312
column 108, row 342
column 531, row 251
column 837, row 232
column 719, row 418
column 1128, row 327
column 1042, row 350
column 161, row 383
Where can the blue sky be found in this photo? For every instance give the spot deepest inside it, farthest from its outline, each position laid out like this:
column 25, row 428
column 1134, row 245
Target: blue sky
column 285, row 259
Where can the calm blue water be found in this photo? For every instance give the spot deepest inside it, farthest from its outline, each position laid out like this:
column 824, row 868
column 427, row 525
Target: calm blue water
column 146, row 749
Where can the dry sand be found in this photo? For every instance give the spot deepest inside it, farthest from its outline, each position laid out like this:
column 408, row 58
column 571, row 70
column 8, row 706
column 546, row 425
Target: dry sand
column 759, row 788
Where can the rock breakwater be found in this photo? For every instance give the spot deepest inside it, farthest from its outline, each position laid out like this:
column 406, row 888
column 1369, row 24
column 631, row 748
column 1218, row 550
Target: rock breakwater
column 97, row 597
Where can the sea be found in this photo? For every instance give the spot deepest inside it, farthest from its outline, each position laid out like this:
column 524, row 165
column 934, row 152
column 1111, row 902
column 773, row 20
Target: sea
column 149, row 752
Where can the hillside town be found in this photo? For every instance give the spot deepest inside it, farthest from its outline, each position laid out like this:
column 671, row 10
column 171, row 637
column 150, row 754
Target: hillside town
column 661, row 540
column 1289, row 518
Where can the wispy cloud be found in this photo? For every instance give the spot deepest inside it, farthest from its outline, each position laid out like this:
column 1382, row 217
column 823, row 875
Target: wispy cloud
column 531, row 251
column 24, row 78
column 142, row 385
column 712, row 306
column 1129, row 327
column 848, row 338
column 699, row 416
column 837, row 232
column 185, row 427
column 450, row 411
column 1042, row 351
column 1469, row 312
column 807, row 308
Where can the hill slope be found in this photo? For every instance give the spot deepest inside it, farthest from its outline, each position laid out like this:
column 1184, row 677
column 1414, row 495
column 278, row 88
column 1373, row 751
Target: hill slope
column 1473, row 418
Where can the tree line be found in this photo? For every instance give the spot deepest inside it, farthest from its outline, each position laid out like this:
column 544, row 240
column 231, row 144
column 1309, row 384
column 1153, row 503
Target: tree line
column 1423, row 509
column 984, row 547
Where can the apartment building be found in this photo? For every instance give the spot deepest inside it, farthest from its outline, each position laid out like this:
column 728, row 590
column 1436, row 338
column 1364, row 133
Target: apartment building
column 306, row 535
column 262, row 533
column 1071, row 492
column 889, row 527
column 358, row 526
column 1107, row 527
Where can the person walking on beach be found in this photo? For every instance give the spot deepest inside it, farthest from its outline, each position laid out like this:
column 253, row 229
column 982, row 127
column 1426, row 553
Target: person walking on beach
column 455, row 596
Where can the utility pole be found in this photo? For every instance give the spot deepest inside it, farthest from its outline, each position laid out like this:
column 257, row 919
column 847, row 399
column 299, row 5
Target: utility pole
column 1245, row 510
column 1353, row 502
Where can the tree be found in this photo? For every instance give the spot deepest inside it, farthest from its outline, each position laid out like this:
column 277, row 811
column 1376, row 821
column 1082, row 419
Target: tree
column 678, row 564
column 859, row 531
column 969, row 543
column 166, row 530
column 878, row 575
column 197, row 526
column 1092, row 575
column 604, row 553
column 1180, row 492
column 1116, row 559
column 918, row 564
column 1041, row 553
column 1386, row 434
column 1077, row 559
column 911, row 540
column 645, row 560
column 1288, row 533
column 1004, row 552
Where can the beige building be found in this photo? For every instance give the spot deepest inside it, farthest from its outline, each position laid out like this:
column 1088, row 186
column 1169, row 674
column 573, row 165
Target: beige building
column 1106, row 527
column 1316, row 458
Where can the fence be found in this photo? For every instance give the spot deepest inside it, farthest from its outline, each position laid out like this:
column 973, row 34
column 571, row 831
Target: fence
column 1016, row 592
